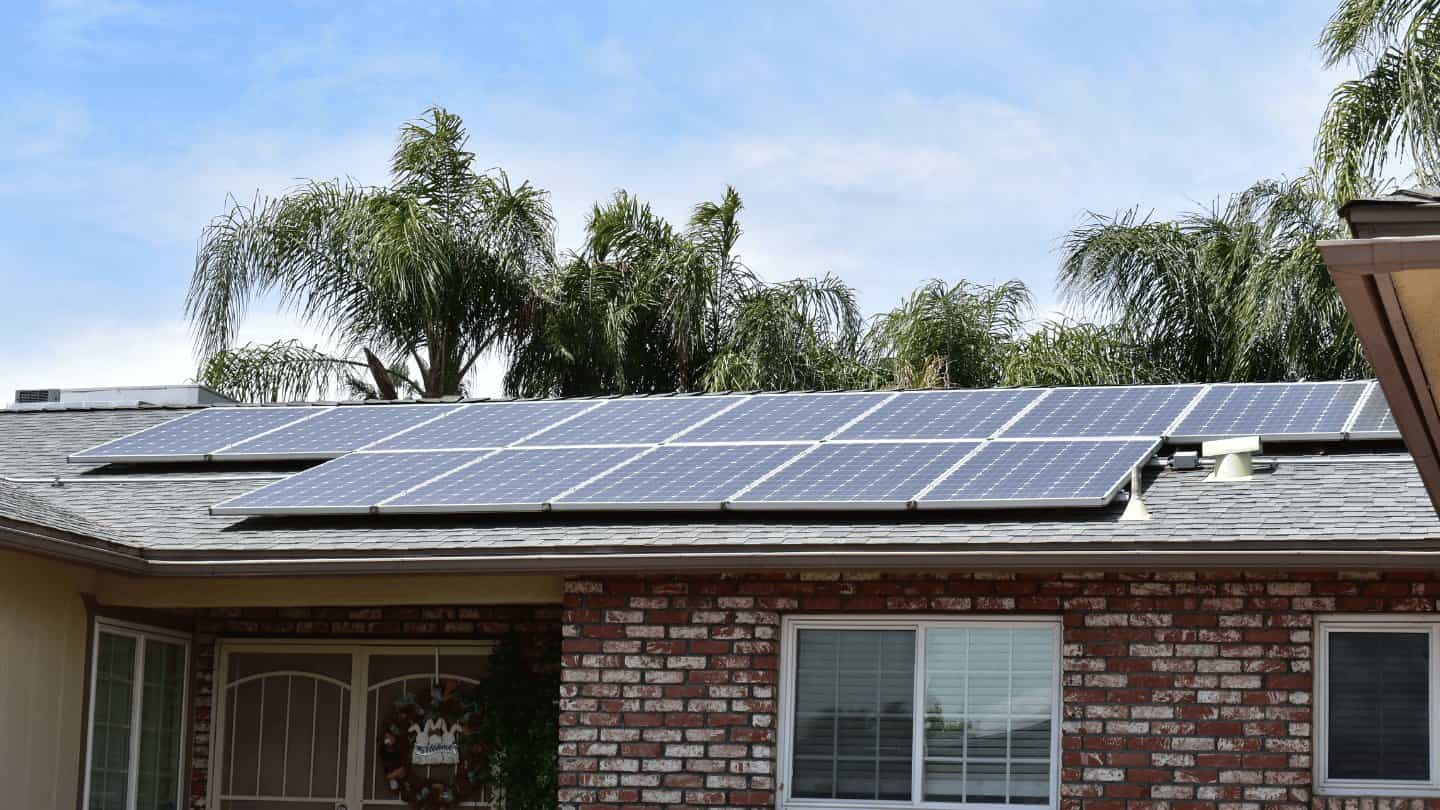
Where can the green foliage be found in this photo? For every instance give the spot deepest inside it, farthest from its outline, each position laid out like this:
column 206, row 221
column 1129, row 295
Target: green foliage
column 950, row 335
column 520, row 695
column 427, row 274
column 1237, row 292
column 1069, row 353
column 644, row 308
column 1392, row 109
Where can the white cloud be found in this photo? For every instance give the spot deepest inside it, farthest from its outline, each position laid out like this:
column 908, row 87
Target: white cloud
column 113, row 353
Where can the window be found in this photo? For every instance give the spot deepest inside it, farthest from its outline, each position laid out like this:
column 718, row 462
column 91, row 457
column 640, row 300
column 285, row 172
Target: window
column 1375, row 706
column 137, row 719
column 922, row 712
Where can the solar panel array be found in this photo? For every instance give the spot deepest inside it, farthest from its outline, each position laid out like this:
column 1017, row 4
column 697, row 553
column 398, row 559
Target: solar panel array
column 850, row 450
column 1314, row 411
column 1373, row 419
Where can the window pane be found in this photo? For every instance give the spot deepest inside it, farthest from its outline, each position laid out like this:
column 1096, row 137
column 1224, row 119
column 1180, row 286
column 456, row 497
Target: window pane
column 162, row 724
column 853, row 714
column 989, row 694
column 110, row 732
column 1379, row 712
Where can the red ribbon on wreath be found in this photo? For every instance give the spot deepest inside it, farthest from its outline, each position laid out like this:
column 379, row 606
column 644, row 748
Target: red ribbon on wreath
column 458, row 709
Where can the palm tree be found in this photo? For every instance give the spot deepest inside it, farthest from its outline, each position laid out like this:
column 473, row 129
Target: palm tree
column 645, row 308
column 1237, row 292
column 1077, row 353
column 1393, row 107
column 414, row 282
column 946, row 335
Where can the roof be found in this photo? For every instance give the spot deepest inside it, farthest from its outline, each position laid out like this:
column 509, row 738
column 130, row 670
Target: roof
column 1295, row 507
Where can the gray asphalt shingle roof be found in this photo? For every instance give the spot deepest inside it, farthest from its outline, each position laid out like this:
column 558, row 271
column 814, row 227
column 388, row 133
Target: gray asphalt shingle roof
column 164, row 510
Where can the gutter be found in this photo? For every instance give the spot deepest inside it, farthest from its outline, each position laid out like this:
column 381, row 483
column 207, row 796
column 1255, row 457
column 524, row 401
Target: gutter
column 1129, row 557
column 71, row 547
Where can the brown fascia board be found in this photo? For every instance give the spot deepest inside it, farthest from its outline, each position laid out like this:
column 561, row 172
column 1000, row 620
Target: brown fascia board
column 1361, row 271
column 1402, row 217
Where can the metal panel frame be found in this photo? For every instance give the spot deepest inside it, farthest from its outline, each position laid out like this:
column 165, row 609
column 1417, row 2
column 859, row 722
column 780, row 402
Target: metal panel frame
column 225, row 453
column 1200, row 390
column 143, row 458
column 1021, row 503
column 1351, row 433
column 384, row 506
column 1023, row 409
column 1197, row 438
column 339, row 510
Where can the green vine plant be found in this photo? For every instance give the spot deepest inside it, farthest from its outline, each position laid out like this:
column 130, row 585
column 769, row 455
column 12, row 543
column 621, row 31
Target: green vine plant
column 520, row 699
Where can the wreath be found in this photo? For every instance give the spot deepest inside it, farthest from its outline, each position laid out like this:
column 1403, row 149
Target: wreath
column 457, row 711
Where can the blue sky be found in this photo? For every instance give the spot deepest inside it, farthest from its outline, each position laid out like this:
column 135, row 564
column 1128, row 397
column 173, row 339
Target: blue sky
column 887, row 142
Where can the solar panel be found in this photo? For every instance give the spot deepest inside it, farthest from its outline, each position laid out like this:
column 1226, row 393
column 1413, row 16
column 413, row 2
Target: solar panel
column 1373, row 420
column 1274, row 411
column 1132, row 410
column 942, row 415
column 348, row 485
column 485, row 425
column 333, row 433
column 1011, row 474
column 856, row 476
column 634, row 421
column 511, row 480
column 681, row 476
column 193, row 437
column 784, row 417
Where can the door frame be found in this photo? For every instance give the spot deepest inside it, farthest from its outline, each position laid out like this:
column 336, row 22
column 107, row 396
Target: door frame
column 360, row 652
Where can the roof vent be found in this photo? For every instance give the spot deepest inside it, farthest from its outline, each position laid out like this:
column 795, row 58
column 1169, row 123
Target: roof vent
column 1233, row 458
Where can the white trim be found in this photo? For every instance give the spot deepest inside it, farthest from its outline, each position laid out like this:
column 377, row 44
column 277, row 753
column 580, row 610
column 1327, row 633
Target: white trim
column 919, row 624
column 141, row 634
column 1325, row 626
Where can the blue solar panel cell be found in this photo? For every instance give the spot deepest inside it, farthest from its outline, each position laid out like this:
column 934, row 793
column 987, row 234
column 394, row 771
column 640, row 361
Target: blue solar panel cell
column 942, row 415
column 681, row 477
column 855, row 476
column 1374, row 420
column 784, row 417
column 1275, row 411
column 511, row 480
column 335, row 432
column 193, row 437
column 1096, row 412
column 1007, row 474
column 634, row 421
column 486, row 425
column 348, row 485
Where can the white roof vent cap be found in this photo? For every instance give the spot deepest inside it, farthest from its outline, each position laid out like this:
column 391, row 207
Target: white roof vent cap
column 1233, row 458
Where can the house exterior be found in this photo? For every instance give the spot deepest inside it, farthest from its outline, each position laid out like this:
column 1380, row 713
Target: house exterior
column 1270, row 642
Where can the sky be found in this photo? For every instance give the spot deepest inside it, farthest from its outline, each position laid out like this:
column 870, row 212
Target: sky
column 887, row 143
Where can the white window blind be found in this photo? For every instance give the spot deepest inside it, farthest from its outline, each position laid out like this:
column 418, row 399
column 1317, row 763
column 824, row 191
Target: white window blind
column 137, row 719
column 984, row 732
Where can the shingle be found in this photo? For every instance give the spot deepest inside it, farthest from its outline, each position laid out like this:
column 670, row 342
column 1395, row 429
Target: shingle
column 165, row 509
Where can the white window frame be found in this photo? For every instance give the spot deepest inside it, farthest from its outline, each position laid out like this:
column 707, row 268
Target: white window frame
column 790, row 627
column 142, row 634
column 1324, row 627
column 360, row 650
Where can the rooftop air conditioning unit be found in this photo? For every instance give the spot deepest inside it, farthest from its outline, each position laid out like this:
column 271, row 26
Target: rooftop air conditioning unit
column 27, row 396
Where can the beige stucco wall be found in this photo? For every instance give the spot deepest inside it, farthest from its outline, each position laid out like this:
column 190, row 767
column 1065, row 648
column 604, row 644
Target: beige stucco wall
column 43, row 632
column 44, row 629
column 373, row 590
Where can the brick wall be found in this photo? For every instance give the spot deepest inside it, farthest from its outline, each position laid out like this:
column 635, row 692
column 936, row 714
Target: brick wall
column 1182, row 691
column 450, row 623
